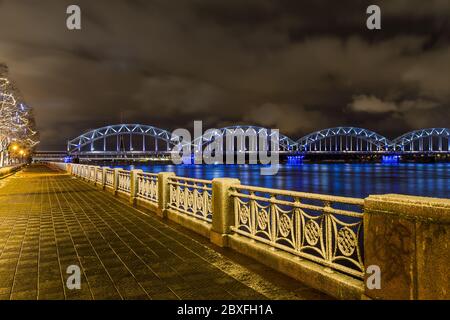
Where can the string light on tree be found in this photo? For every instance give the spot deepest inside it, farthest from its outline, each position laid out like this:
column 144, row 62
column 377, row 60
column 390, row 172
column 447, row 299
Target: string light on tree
column 17, row 130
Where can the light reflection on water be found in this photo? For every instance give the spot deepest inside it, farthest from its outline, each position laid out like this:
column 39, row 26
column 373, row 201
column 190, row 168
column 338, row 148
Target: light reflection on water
column 354, row 180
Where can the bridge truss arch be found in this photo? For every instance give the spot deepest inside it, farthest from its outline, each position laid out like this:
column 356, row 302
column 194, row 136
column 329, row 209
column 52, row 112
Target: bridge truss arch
column 424, row 140
column 344, row 139
column 245, row 138
column 122, row 139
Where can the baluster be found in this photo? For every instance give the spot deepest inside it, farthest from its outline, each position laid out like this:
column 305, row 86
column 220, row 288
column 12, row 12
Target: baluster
column 142, row 186
column 206, row 208
column 237, row 212
column 273, row 216
column 185, row 196
column 178, row 197
column 195, row 195
column 171, row 193
column 252, row 215
column 298, row 226
column 154, row 190
column 150, row 188
column 328, row 232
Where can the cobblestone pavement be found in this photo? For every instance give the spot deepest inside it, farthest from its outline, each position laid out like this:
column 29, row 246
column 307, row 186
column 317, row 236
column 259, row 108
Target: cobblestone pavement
column 50, row 220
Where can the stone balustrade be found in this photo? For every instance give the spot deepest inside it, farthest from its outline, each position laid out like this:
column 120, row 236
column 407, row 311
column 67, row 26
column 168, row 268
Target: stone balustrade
column 334, row 244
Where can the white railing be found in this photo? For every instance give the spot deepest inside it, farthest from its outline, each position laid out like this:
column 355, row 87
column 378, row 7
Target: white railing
column 60, row 165
column 109, row 179
column 147, row 186
column 85, row 172
column 74, row 169
column 92, row 177
column 99, row 177
column 317, row 239
column 191, row 197
column 324, row 229
column 123, row 183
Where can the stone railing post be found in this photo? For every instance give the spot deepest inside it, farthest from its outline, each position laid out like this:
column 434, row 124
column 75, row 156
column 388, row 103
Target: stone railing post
column 163, row 192
column 408, row 239
column 134, row 185
column 223, row 210
column 116, row 180
column 69, row 168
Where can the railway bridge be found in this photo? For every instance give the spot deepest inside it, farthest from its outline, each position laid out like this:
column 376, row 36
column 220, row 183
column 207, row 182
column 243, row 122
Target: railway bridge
column 137, row 141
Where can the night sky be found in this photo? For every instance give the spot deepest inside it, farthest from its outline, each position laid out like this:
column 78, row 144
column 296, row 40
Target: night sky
column 295, row 65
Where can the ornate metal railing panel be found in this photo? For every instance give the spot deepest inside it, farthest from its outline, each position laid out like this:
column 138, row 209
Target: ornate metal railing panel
column 147, row 187
column 325, row 229
column 85, row 172
column 79, row 170
column 99, row 176
column 191, row 196
column 123, row 183
column 92, row 176
column 109, row 179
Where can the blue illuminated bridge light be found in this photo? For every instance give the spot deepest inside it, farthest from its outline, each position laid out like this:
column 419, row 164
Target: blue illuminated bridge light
column 294, row 160
column 390, row 159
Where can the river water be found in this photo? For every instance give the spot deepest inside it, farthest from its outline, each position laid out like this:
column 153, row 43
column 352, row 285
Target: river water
column 353, row 180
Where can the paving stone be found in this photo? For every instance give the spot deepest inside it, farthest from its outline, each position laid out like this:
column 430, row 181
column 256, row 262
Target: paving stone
column 50, row 221
column 24, row 295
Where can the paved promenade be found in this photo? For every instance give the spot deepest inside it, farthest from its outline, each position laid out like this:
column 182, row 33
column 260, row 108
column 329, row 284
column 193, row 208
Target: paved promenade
column 50, row 220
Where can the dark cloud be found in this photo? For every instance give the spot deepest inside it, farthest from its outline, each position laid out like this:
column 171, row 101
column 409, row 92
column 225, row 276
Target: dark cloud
column 295, row 65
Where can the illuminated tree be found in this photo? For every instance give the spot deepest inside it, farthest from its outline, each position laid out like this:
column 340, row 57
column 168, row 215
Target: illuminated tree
column 16, row 120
